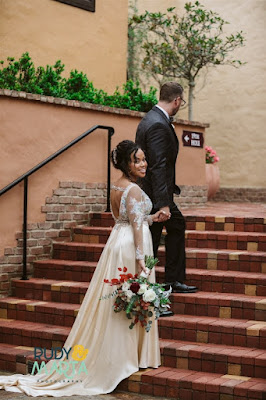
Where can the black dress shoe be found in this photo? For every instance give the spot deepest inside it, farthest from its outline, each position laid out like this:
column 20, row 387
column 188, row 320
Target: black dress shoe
column 178, row 287
column 166, row 313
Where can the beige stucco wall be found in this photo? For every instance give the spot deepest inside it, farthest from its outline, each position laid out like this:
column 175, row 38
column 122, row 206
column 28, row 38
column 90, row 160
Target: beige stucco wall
column 233, row 100
column 30, row 131
column 95, row 43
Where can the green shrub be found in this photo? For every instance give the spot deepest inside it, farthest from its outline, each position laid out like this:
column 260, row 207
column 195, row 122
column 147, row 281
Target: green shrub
column 22, row 75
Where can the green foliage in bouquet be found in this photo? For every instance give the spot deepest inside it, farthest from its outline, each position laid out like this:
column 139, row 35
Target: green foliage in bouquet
column 22, row 75
column 137, row 297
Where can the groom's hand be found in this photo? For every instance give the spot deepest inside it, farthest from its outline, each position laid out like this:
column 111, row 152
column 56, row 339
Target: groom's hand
column 164, row 214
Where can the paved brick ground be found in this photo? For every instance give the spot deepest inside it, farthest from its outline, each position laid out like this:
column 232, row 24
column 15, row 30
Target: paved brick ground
column 114, row 396
column 255, row 210
column 117, row 396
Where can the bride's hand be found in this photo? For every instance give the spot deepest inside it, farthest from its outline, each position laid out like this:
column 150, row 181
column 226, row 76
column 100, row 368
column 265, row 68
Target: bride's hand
column 141, row 266
column 156, row 216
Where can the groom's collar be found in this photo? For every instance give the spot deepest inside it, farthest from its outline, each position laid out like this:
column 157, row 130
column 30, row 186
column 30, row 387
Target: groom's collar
column 165, row 112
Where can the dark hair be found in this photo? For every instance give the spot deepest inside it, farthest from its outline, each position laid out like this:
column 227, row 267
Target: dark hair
column 121, row 155
column 170, row 90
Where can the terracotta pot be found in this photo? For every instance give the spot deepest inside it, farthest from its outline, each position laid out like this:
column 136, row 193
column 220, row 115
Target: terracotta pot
column 212, row 179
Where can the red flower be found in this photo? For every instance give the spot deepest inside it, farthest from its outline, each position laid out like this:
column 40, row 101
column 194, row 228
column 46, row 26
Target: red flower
column 134, row 287
column 115, row 281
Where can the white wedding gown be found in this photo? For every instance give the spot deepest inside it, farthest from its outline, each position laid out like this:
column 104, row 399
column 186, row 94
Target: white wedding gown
column 114, row 351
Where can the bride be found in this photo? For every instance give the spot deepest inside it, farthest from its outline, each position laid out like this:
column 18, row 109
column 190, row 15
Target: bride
column 112, row 351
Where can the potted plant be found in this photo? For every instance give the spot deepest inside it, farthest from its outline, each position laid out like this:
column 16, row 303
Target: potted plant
column 212, row 171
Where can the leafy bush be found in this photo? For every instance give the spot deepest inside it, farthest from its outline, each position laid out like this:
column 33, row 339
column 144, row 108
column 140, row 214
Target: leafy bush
column 22, row 75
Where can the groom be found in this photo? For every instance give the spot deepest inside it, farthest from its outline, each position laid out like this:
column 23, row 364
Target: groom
column 157, row 138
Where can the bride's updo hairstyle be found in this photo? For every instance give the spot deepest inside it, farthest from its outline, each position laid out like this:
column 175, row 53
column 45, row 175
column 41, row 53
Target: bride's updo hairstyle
column 121, row 155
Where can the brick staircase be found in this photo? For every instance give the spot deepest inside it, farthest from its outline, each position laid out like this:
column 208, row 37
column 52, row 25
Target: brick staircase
column 213, row 348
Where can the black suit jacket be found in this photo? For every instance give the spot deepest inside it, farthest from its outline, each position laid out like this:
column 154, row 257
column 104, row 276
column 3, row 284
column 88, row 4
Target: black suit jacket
column 157, row 138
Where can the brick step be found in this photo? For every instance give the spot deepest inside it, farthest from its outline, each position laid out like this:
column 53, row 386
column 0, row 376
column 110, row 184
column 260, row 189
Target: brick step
column 81, row 271
column 20, row 359
column 46, row 312
column 225, row 223
column 206, row 280
column 184, row 384
column 212, row 304
column 197, row 304
column 50, row 290
column 232, row 360
column 77, row 251
column 227, row 240
column 13, row 357
column 232, row 332
column 220, row 305
column 199, row 239
column 232, row 260
column 101, row 219
column 248, row 283
column 32, row 334
column 91, row 234
column 235, row 260
column 200, row 222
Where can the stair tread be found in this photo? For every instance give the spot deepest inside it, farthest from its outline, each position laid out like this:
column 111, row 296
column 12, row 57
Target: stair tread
column 227, row 233
column 213, row 348
column 160, row 269
column 199, row 297
column 199, row 294
column 221, row 273
column 222, row 251
column 167, row 374
column 215, row 321
column 93, row 229
column 219, row 296
column 70, row 263
column 162, row 249
column 38, row 303
column 42, row 281
column 101, row 229
column 217, row 210
column 36, row 328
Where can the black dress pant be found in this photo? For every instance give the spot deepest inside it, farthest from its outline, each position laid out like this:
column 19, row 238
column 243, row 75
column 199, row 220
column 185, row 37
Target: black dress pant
column 175, row 266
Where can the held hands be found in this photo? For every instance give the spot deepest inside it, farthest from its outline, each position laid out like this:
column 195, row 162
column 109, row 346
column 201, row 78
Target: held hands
column 162, row 215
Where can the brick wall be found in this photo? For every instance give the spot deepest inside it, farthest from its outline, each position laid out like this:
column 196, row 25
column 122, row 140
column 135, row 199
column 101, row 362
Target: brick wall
column 68, row 207
column 252, row 195
column 192, row 196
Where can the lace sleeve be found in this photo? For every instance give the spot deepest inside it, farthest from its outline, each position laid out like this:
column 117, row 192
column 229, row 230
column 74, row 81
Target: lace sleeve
column 135, row 212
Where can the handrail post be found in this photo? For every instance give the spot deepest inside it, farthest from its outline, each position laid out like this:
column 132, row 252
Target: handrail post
column 25, row 222
column 110, row 133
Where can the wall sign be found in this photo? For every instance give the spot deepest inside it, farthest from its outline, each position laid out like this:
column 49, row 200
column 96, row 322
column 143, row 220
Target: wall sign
column 88, row 5
column 192, row 139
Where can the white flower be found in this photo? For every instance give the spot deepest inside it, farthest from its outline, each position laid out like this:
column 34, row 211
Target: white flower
column 129, row 294
column 125, row 286
column 143, row 288
column 149, row 295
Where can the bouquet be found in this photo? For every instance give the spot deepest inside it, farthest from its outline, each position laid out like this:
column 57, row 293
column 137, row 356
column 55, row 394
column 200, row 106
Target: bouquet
column 211, row 155
column 139, row 298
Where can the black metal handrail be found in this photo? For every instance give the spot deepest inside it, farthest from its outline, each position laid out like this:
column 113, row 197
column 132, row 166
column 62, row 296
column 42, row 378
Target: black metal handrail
column 25, row 176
